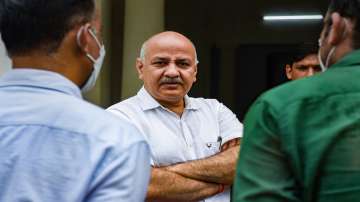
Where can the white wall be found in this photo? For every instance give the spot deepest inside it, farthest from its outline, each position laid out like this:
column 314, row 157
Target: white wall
column 5, row 62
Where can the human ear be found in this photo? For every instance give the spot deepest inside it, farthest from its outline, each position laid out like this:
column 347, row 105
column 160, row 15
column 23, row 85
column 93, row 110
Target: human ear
column 337, row 29
column 84, row 38
column 288, row 70
column 195, row 72
column 139, row 67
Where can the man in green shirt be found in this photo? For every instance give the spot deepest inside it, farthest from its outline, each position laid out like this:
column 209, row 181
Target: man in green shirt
column 302, row 140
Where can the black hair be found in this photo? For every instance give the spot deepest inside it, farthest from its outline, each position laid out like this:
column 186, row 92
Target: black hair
column 41, row 25
column 348, row 9
column 303, row 51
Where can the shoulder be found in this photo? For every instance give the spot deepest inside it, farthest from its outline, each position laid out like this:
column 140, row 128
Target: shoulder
column 126, row 108
column 129, row 103
column 94, row 121
column 207, row 102
column 311, row 88
column 310, row 91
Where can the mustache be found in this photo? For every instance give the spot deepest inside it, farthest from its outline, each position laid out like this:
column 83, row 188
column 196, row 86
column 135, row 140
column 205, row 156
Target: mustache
column 171, row 80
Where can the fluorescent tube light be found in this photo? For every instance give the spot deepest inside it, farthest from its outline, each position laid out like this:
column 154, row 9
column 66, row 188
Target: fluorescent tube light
column 292, row 17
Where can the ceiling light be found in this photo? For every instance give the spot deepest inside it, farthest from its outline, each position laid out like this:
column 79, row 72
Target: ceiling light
column 292, row 17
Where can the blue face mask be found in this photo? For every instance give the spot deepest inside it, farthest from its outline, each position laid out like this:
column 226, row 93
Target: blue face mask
column 97, row 63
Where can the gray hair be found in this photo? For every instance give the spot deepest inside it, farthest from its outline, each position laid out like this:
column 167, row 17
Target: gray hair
column 143, row 52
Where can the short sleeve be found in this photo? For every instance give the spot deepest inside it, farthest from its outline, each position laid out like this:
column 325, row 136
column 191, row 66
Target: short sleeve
column 230, row 127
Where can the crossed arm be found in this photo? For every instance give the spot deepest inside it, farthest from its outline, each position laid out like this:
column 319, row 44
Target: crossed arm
column 195, row 180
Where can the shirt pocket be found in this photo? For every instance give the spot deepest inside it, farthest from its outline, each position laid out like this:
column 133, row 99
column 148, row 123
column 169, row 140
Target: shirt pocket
column 212, row 147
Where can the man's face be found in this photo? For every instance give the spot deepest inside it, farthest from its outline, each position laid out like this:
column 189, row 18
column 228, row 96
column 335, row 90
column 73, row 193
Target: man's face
column 308, row 66
column 169, row 69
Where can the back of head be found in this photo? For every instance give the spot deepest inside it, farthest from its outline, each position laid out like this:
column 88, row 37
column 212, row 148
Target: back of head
column 40, row 25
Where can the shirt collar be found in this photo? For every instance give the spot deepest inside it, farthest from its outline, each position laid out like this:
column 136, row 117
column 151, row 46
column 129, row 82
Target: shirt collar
column 191, row 103
column 40, row 79
column 351, row 59
column 147, row 102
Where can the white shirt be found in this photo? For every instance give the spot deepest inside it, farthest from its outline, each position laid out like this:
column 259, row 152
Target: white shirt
column 4, row 59
column 204, row 125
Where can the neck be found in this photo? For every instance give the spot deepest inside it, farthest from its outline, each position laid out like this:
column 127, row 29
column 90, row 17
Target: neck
column 46, row 62
column 176, row 107
column 36, row 62
column 340, row 53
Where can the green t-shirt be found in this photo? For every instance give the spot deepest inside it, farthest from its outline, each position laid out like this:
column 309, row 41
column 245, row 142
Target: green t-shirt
column 302, row 140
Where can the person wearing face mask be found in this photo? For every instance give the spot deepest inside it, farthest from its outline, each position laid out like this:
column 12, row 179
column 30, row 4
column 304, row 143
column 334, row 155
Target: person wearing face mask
column 301, row 140
column 54, row 146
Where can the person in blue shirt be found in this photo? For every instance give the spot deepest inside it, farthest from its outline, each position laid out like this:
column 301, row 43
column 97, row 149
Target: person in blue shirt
column 54, row 146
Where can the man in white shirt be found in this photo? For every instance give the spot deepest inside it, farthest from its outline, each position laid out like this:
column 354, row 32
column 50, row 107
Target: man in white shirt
column 194, row 141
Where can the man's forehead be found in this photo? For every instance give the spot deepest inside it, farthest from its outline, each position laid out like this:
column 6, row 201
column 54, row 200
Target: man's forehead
column 168, row 56
column 169, row 35
column 170, row 44
column 170, row 39
column 170, row 49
